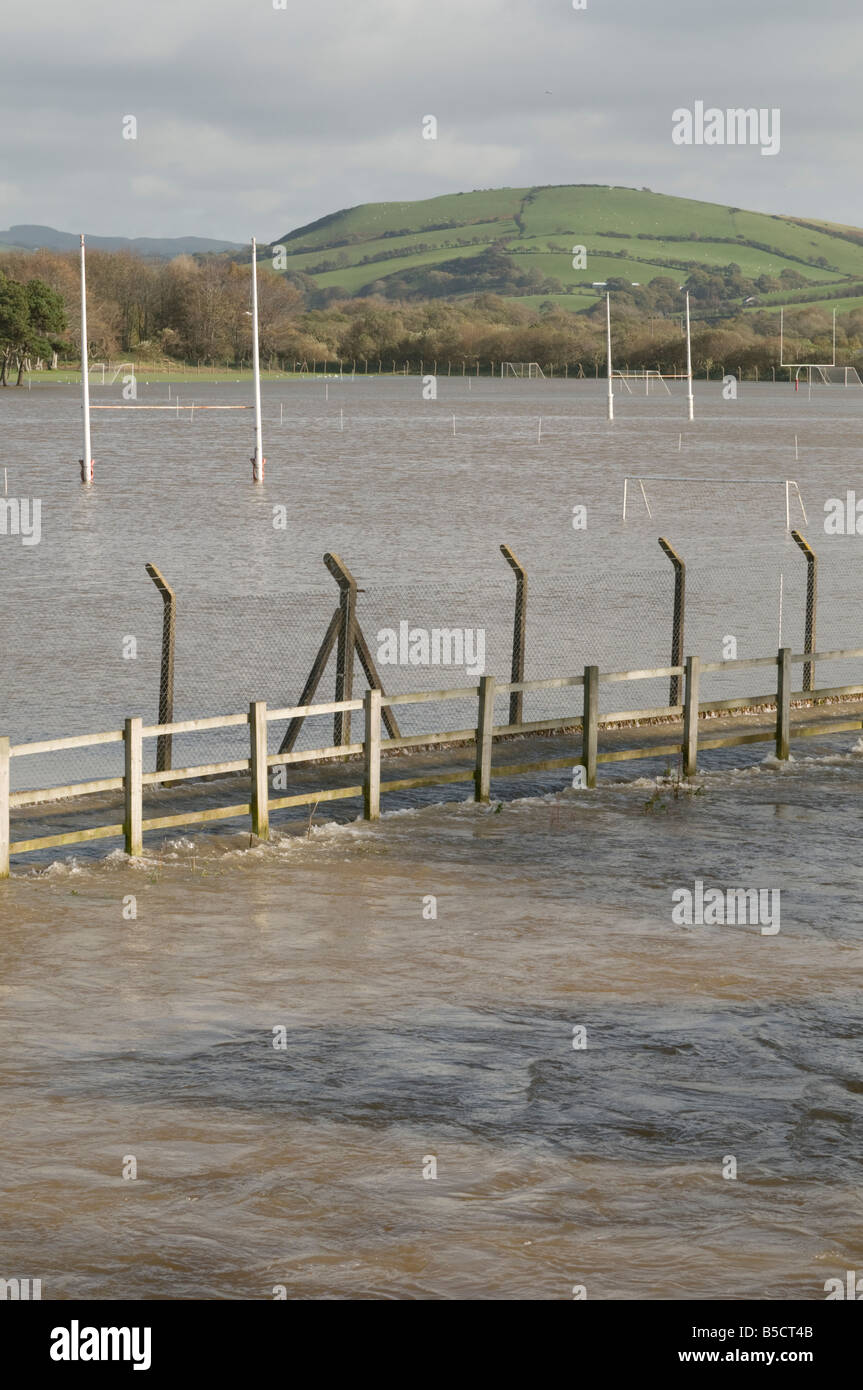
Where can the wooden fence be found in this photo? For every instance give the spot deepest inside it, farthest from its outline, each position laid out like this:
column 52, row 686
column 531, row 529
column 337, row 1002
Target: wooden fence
column 371, row 788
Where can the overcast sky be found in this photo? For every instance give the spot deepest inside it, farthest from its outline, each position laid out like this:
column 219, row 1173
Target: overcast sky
column 253, row 120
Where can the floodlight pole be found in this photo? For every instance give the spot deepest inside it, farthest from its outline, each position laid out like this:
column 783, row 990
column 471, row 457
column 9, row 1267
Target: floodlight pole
column 608, row 353
column 258, row 460
column 690, row 401
column 87, row 456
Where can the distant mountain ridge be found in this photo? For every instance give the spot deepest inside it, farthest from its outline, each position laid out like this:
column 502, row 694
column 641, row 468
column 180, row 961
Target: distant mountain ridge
column 33, row 237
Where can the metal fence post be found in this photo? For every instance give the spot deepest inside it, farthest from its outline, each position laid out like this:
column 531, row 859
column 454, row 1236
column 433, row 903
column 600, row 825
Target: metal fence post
column 690, row 717
column 372, row 756
column 166, row 679
column 311, row 684
column 590, row 724
column 133, row 787
column 678, row 619
column 783, row 702
column 811, row 596
column 4, row 808
column 485, row 724
column 258, row 764
column 519, row 632
column 346, row 643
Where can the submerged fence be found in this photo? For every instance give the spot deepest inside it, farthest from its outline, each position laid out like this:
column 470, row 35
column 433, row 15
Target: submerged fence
column 198, row 653
column 374, row 704
column 306, row 654
column 558, row 368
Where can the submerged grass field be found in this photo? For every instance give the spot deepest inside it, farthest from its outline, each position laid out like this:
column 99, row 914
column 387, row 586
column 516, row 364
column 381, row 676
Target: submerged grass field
column 72, row 376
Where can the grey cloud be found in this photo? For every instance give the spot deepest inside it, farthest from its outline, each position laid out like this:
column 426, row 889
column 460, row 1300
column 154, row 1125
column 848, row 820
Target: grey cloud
column 252, row 118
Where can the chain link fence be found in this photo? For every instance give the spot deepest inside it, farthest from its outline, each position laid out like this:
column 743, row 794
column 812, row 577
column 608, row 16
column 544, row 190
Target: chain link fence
column 84, row 664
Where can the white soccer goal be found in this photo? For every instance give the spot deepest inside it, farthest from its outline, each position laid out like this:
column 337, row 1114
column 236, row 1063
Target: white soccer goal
column 647, row 376
column 521, row 369
column 821, row 374
column 693, row 495
column 818, row 373
column 104, row 367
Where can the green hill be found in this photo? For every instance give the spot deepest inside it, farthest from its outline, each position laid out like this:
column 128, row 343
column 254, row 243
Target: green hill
column 519, row 242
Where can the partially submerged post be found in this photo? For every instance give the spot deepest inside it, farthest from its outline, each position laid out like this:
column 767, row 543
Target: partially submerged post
column 258, row 766
column 484, row 732
column 372, row 756
column 516, row 699
column 87, row 458
column 690, row 399
column 590, row 724
column 258, row 459
column 166, row 678
column 5, row 836
column 811, row 596
column 608, row 354
column 783, row 703
column 678, row 618
column 690, row 717
column 133, row 786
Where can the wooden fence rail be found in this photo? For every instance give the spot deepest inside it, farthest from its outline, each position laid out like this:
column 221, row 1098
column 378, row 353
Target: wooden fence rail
column 374, row 702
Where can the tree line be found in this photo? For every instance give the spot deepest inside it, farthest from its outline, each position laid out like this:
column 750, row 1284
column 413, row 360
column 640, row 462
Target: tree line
column 32, row 324
column 197, row 310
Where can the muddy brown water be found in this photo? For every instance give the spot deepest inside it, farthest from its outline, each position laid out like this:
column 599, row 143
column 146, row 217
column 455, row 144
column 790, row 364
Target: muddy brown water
column 410, row 1036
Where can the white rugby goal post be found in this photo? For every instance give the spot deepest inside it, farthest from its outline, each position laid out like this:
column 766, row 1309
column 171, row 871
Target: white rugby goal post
column 521, row 369
column 789, row 486
column 817, row 373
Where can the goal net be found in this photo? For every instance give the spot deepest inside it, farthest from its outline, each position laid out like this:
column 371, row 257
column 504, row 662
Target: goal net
column 666, row 498
column 528, row 369
column 819, row 374
column 646, row 376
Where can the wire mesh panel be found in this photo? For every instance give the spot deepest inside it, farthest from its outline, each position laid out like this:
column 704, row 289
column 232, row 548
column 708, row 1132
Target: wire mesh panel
column 70, row 676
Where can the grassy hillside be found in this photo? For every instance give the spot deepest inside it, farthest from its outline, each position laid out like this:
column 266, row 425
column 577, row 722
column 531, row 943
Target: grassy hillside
column 371, row 220
column 425, row 249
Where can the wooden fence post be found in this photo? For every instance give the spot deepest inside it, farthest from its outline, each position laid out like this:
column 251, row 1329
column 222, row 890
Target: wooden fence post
column 372, row 756
column 690, row 717
column 678, row 618
column 783, row 703
column 260, row 785
column 485, row 724
column 133, row 787
column 4, row 808
column 590, row 724
column 516, row 699
column 811, row 595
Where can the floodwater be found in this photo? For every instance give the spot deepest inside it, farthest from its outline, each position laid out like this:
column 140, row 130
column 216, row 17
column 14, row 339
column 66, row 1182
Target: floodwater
column 428, row 971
